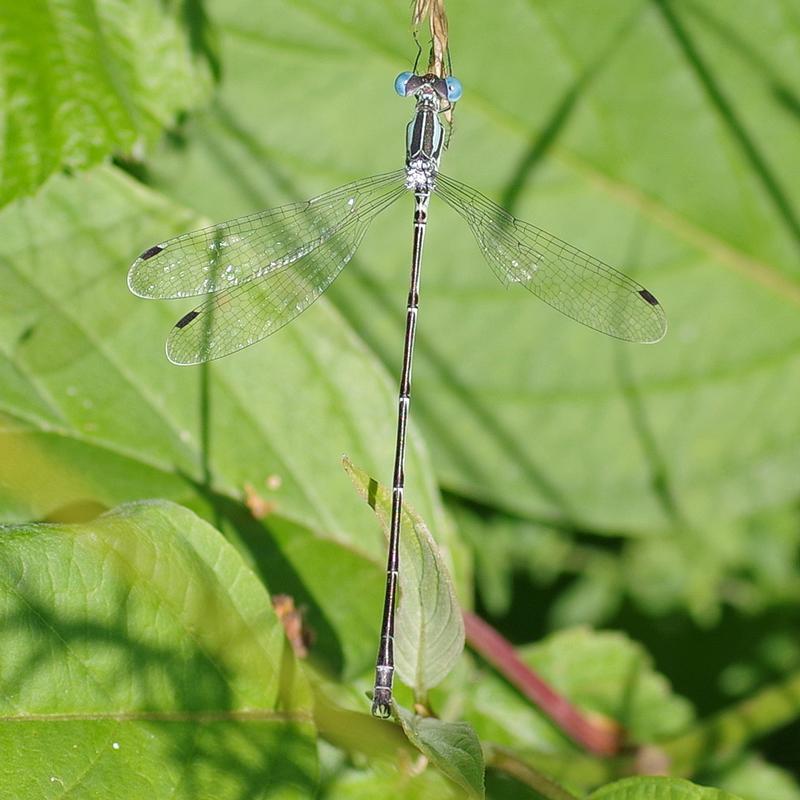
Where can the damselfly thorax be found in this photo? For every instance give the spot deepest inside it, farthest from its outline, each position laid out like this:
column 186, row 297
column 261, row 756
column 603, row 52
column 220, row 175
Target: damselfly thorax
column 425, row 133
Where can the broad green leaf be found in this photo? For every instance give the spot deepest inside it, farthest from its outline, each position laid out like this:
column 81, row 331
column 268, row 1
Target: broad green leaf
column 658, row 789
column 339, row 591
column 430, row 629
column 606, row 672
column 752, row 778
column 82, row 80
column 453, row 747
column 90, row 409
column 140, row 652
column 599, row 124
column 599, row 671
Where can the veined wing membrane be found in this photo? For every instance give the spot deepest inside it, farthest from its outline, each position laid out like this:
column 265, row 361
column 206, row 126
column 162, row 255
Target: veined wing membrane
column 232, row 253
column 243, row 315
column 571, row 281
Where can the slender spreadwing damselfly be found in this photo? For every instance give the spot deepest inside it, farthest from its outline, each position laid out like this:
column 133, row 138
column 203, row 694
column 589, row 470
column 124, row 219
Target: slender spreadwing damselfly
column 264, row 269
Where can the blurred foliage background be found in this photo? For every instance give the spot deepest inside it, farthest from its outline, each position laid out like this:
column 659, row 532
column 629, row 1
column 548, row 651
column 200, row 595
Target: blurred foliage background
column 571, row 480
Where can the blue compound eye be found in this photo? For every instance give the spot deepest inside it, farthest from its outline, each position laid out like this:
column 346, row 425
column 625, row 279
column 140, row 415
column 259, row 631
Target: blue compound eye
column 454, row 89
column 401, row 81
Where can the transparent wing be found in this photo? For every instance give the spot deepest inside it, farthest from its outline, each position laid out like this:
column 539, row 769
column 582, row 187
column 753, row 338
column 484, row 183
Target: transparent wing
column 243, row 315
column 574, row 283
column 241, row 250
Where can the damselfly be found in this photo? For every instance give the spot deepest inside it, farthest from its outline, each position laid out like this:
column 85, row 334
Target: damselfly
column 265, row 269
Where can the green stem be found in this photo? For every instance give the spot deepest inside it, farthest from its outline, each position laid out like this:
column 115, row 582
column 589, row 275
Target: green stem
column 504, row 760
column 725, row 735
column 355, row 732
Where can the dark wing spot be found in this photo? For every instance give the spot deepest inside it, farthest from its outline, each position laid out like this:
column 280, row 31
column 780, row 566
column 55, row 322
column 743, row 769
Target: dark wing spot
column 185, row 320
column 649, row 297
column 153, row 251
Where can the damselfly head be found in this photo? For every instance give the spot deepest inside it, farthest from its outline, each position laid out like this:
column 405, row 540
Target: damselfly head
column 448, row 89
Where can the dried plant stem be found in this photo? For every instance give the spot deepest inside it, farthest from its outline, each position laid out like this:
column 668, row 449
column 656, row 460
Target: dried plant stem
column 434, row 11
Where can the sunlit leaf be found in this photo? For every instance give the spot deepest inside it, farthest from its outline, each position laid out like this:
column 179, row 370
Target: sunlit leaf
column 598, row 125
column 601, row 672
column 83, row 80
column 408, row 783
column 91, row 409
column 430, row 629
column 660, row 136
column 453, row 747
column 658, row 789
column 140, row 652
column 753, row 778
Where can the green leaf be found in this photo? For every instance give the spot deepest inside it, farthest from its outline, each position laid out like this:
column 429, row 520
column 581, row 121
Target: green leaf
column 599, row 671
column 752, row 778
column 453, row 747
column 84, row 80
column 339, row 591
column 90, row 409
column 406, row 782
column 430, row 629
column 140, row 651
column 658, row 789
column 606, row 672
column 523, row 409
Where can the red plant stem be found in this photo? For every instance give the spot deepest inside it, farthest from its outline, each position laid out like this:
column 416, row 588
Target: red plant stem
column 599, row 736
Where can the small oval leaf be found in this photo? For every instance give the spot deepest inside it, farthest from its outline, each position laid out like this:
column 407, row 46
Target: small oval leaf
column 430, row 628
column 453, row 747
